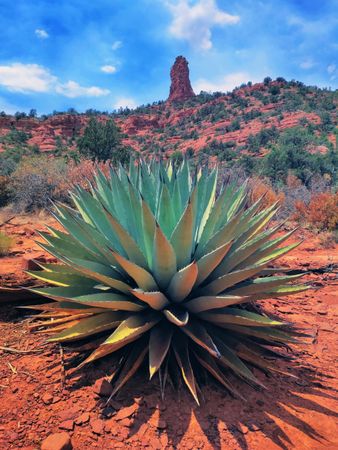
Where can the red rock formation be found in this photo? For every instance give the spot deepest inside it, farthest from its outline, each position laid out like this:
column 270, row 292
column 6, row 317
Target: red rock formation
column 180, row 88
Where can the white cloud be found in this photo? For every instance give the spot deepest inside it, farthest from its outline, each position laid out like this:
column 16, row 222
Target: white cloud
column 116, row 45
column 227, row 83
column 30, row 78
column 193, row 23
column 41, row 33
column 331, row 68
column 306, row 64
column 125, row 102
column 72, row 89
column 108, row 69
column 26, row 78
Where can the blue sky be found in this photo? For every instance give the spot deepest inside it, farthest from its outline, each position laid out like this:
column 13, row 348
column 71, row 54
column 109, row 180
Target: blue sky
column 108, row 53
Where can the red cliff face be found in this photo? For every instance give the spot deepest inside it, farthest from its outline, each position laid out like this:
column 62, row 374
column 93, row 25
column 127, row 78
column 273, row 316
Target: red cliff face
column 180, row 88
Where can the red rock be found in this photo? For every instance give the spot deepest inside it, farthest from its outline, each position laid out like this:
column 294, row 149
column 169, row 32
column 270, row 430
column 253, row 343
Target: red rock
column 67, row 425
column 57, row 441
column 126, row 422
column 126, row 412
column 47, row 398
column 84, row 418
column 97, row 426
column 180, row 88
column 103, row 387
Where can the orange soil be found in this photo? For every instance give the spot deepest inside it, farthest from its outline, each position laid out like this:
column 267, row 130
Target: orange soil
column 292, row 413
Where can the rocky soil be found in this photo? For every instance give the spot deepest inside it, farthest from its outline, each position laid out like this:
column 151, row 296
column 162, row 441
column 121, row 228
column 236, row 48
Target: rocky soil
column 44, row 406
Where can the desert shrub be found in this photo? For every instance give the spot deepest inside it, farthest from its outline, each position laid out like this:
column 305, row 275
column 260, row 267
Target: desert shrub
column 320, row 212
column 102, row 141
column 82, row 173
column 5, row 192
column 6, row 242
column 291, row 154
column 328, row 239
column 259, row 188
column 36, row 181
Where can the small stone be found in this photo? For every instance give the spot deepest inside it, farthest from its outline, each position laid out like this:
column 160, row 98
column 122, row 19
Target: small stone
column 254, row 427
column 243, row 429
column 47, row 398
column 126, row 412
column 84, row 418
column 126, row 422
column 103, row 388
column 15, row 389
column 67, row 425
column 97, row 426
column 57, row 441
column 322, row 312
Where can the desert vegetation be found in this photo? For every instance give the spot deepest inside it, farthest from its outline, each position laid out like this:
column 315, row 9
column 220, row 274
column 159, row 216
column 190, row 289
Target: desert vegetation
column 164, row 264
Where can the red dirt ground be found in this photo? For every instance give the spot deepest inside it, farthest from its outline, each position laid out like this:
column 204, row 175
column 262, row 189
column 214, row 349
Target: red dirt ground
column 37, row 399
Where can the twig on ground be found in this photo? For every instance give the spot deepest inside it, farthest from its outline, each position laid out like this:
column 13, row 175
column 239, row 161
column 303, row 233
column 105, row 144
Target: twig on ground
column 63, row 372
column 13, row 369
column 15, row 350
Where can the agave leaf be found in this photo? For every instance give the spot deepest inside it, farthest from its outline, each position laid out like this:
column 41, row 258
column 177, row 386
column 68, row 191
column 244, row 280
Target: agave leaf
column 182, row 283
column 200, row 304
column 261, row 285
column 254, row 225
column 133, row 362
column 166, row 216
column 222, row 236
column 281, row 291
column 235, row 316
column 89, row 326
column 184, row 182
column 155, row 300
column 214, row 217
column 232, row 260
column 255, row 358
column 209, row 364
column 210, row 261
column 183, row 234
column 164, row 259
column 209, row 195
column 148, row 227
column 129, row 330
column 270, row 335
column 66, row 246
column 198, row 333
column 91, row 297
column 230, row 279
column 159, row 343
column 182, row 356
column 270, row 250
column 56, row 320
column 177, row 316
column 141, row 276
column 64, row 306
column 230, row 359
column 104, row 274
column 61, row 279
column 132, row 249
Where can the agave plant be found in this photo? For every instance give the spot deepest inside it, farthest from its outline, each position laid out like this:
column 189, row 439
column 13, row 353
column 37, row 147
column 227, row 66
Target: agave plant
column 160, row 263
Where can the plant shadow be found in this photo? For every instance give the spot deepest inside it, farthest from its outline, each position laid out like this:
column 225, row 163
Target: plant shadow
column 221, row 420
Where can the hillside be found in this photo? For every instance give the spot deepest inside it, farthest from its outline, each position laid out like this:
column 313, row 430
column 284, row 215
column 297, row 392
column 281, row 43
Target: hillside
column 209, row 123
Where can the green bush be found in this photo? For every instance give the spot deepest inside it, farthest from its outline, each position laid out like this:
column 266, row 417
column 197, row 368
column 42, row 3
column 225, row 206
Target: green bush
column 102, row 141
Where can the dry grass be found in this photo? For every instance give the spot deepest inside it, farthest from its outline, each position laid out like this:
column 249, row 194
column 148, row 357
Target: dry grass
column 6, row 242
